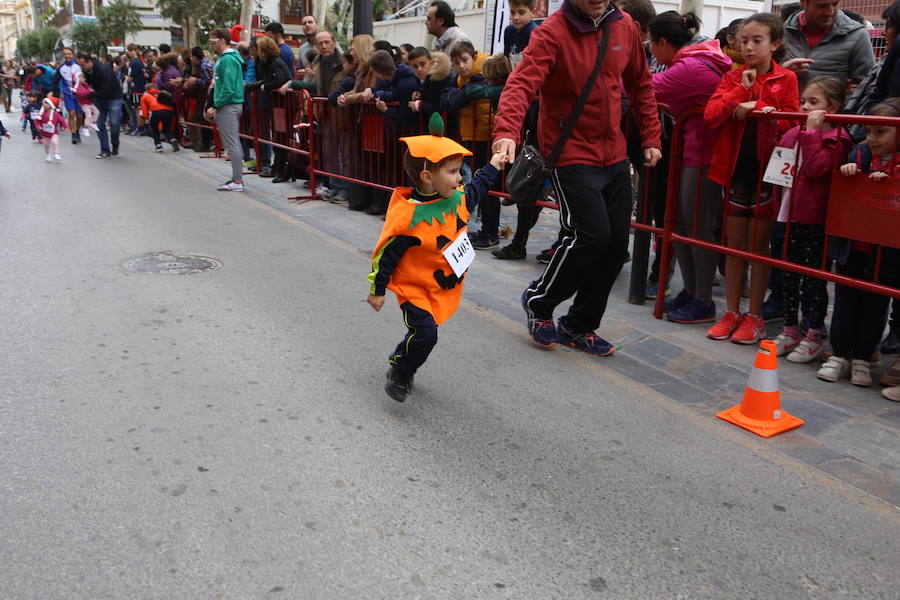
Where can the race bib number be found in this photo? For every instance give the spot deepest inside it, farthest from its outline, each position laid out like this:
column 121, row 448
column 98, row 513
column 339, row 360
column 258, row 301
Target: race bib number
column 35, row 115
column 460, row 253
column 48, row 127
column 782, row 167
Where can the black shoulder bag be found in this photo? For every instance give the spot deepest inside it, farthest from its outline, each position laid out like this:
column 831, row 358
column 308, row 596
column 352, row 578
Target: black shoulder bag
column 525, row 179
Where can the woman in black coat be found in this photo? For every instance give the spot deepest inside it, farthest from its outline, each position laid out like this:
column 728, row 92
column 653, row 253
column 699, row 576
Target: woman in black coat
column 271, row 74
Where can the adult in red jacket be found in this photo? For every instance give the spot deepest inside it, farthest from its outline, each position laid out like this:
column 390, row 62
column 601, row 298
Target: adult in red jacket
column 591, row 175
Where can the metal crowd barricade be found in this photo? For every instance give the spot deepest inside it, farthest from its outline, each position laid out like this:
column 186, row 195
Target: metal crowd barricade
column 858, row 210
column 189, row 113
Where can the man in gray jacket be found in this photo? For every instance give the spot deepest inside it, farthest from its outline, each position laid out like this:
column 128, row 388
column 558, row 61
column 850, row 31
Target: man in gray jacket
column 822, row 40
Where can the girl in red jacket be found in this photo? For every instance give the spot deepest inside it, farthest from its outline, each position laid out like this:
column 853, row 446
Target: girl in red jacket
column 50, row 121
column 741, row 153
column 804, row 205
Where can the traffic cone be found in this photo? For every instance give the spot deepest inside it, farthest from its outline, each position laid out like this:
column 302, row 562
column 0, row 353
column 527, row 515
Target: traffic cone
column 760, row 411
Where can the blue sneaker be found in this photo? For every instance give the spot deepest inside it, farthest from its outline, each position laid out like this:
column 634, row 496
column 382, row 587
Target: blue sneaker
column 588, row 342
column 678, row 301
column 542, row 331
column 772, row 310
column 695, row 311
column 652, row 290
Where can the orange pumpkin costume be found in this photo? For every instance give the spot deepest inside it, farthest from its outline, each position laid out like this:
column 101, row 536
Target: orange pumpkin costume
column 408, row 258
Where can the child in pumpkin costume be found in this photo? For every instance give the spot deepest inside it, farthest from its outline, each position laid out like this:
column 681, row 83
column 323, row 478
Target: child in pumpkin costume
column 424, row 249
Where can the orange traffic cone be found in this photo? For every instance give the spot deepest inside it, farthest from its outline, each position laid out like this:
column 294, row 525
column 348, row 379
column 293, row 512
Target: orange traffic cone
column 760, row 412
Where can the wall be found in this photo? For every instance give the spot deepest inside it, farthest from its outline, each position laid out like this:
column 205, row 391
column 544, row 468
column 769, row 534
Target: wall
column 412, row 29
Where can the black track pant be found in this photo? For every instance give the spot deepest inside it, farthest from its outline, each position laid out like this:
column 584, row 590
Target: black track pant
column 164, row 117
column 421, row 336
column 594, row 214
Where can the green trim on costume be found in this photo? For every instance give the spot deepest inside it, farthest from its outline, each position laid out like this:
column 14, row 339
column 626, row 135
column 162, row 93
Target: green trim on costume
column 376, row 263
column 436, row 211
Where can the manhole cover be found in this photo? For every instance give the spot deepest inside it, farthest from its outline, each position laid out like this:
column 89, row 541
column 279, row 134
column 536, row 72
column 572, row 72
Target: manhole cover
column 170, row 263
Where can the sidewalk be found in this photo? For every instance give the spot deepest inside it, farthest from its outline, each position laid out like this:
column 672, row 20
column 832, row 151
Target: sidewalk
column 851, row 433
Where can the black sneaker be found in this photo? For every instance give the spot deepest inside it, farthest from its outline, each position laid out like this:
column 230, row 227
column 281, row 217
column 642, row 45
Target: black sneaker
column 511, row 252
column 115, row 152
column 398, row 385
column 545, row 256
column 482, row 241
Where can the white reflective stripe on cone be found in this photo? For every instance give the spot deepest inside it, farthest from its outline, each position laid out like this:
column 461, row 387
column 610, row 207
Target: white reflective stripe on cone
column 763, row 380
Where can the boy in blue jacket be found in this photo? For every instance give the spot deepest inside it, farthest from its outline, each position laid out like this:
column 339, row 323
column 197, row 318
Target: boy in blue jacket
column 401, row 84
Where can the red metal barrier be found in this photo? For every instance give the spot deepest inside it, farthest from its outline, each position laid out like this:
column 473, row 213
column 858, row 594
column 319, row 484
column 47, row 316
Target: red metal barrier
column 843, row 220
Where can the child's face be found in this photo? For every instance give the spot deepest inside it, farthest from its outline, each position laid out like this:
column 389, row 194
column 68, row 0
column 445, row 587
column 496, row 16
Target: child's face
column 813, row 98
column 881, row 139
column 520, row 15
column 421, row 65
column 464, row 64
column 447, row 178
column 757, row 45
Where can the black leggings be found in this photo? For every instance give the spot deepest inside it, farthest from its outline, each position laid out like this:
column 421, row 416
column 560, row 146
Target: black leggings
column 805, row 247
column 165, row 117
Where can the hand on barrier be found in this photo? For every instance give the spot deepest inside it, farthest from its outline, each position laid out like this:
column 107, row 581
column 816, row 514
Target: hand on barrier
column 506, row 147
column 815, row 120
column 849, row 169
column 878, row 176
column 367, row 95
column 376, row 302
column 413, row 105
column 416, row 96
column 741, row 110
column 283, row 89
column 342, row 100
column 652, row 156
column 381, row 105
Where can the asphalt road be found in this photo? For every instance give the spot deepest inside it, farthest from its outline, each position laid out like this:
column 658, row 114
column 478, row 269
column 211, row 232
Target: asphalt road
column 224, row 434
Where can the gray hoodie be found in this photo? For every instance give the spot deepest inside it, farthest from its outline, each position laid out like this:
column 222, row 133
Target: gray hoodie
column 845, row 52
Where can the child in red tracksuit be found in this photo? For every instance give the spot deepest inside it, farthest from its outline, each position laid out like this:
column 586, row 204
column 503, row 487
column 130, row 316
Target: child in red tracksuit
column 49, row 122
column 91, row 113
column 804, row 205
column 738, row 160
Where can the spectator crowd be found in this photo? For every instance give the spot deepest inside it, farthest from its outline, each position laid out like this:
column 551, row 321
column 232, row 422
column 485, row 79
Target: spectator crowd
column 811, row 58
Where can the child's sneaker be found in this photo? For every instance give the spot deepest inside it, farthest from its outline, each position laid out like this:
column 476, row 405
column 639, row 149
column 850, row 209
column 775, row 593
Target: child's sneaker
column 695, row 311
column 835, row 368
column 542, row 331
column 891, row 377
column 231, row 186
column 398, row 385
column 157, row 148
column 808, row 350
column 726, row 326
column 48, row 158
column 860, row 373
column 675, row 303
column 787, row 340
column 751, row 330
column 588, row 342
column 483, row 241
column 891, row 393
column 85, row 132
column 57, row 157
column 544, row 256
column 95, row 127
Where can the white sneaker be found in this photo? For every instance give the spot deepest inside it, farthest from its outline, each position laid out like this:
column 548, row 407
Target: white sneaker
column 891, row 393
column 807, row 351
column 338, row 198
column 323, row 192
column 57, row 157
column 85, row 132
column 49, row 158
column 157, row 148
column 231, row 186
column 835, row 368
column 862, row 374
column 95, row 127
column 785, row 343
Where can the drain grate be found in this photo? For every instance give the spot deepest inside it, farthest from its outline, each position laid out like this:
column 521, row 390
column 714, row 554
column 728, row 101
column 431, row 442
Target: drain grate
column 169, row 263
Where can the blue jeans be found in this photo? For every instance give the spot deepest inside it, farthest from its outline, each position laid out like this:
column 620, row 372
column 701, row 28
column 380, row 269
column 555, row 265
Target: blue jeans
column 113, row 110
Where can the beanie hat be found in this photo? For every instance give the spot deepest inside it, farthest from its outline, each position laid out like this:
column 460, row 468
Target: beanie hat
column 236, row 34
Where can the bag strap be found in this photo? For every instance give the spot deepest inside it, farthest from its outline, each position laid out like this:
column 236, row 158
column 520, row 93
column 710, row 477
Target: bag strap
column 582, row 100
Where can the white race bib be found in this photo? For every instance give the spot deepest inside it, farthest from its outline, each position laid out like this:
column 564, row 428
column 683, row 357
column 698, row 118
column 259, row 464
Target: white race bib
column 49, row 127
column 460, row 253
column 35, row 115
column 782, row 167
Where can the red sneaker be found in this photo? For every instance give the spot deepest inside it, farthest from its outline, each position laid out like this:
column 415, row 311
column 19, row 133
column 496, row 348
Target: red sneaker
column 725, row 327
column 752, row 330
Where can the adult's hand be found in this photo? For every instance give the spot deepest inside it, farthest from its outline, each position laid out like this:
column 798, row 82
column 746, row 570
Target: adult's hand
column 210, row 113
column 652, row 156
column 507, row 147
column 741, row 110
column 283, row 89
column 798, row 65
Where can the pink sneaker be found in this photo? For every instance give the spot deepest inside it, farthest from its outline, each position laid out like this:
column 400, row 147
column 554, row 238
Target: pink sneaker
column 752, row 330
column 725, row 327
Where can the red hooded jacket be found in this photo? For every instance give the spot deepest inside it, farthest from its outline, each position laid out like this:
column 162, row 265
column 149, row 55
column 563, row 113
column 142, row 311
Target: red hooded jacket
column 558, row 60
column 776, row 88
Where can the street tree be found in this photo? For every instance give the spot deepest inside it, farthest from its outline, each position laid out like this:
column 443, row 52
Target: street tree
column 88, row 37
column 119, row 18
column 198, row 17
